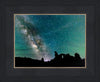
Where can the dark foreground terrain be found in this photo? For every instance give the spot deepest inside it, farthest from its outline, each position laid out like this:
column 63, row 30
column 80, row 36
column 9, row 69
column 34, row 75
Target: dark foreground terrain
column 61, row 60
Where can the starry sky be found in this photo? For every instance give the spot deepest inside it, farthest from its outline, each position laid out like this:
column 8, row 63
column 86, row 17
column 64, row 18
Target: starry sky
column 38, row 36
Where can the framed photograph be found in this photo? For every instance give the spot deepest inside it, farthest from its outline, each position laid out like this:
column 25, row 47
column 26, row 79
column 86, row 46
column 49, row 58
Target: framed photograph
column 49, row 41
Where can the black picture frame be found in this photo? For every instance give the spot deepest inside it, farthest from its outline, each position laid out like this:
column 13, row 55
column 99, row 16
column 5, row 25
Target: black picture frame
column 10, row 74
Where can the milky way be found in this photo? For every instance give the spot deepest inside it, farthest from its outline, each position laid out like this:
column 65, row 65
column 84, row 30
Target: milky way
column 33, row 38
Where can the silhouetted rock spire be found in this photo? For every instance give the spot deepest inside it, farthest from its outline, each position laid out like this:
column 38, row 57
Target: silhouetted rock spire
column 42, row 59
column 56, row 54
column 77, row 56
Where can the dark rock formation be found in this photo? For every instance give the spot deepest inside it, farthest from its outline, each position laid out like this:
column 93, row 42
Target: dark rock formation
column 60, row 60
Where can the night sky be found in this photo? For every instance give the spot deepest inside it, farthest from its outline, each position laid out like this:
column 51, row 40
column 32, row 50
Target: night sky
column 38, row 36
